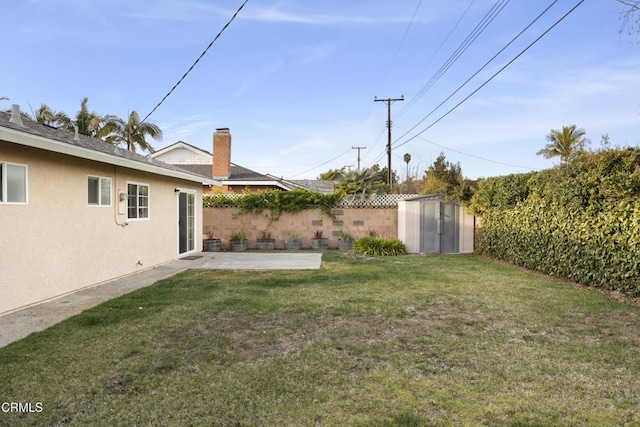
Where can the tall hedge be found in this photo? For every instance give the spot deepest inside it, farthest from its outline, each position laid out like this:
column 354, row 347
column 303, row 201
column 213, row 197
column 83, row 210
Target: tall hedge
column 580, row 220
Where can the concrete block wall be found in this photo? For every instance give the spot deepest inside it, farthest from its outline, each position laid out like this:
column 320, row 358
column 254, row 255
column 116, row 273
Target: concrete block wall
column 356, row 221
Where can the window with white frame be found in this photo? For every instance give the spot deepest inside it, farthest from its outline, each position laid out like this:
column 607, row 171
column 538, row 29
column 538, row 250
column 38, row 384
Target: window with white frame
column 13, row 183
column 98, row 191
column 137, row 201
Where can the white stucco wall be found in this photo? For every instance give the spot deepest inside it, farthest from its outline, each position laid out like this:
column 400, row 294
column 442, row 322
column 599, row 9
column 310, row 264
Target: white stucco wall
column 57, row 243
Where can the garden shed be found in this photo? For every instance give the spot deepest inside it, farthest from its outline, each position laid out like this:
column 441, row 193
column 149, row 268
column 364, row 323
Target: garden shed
column 431, row 224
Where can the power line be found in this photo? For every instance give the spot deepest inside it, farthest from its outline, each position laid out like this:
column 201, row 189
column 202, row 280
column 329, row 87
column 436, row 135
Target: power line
column 462, row 48
column 483, row 67
column 322, row 164
column 411, row 102
column 450, row 32
column 471, row 155
column 196, row 61
column 494, row 75
column 403, row 38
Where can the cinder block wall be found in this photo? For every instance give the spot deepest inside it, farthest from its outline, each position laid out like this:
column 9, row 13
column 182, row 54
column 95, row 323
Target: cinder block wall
column 356, row 221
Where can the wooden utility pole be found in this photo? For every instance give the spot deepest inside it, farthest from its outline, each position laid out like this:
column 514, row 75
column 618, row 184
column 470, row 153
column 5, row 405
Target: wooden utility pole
column 389, row 101
column 358, row 148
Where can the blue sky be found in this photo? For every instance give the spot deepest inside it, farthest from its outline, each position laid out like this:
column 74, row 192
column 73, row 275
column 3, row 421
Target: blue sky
column 295, row 80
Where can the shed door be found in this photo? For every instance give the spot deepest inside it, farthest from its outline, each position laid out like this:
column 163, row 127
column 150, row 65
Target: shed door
column 449, row 240
column 438, row 227
column 429, row 232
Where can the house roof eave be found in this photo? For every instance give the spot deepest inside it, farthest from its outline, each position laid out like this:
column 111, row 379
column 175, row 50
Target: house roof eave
column 48, row 144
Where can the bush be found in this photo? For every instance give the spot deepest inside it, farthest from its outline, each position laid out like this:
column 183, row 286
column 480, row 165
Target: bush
column 580, row 220
column 275, row 201
column 378, row 246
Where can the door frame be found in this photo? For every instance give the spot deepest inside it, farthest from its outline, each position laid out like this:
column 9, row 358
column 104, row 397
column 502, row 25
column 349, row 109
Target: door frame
column 179, row 236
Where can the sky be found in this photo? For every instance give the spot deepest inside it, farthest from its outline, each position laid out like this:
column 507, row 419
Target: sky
column 295, row 81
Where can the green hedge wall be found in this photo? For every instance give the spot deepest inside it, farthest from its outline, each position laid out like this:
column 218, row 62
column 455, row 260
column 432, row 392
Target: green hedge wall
column 580, row 221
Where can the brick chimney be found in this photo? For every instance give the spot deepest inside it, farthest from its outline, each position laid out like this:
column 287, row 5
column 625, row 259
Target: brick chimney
column 221, row 153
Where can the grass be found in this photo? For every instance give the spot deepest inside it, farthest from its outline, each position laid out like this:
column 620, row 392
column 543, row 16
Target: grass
column 401, row 341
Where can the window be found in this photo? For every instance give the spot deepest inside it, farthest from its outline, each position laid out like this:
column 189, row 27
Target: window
column 99, row 191
column 13, row 183
column 137, row 201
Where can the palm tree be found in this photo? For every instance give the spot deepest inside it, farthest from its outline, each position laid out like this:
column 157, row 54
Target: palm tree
column 132, row 133
column 360, row 183
column 565, row 143
column 86, row 123
column 46, row 115
column 407, row 159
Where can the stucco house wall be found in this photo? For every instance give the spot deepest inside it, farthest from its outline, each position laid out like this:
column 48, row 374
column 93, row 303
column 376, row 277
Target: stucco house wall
column 57, row 242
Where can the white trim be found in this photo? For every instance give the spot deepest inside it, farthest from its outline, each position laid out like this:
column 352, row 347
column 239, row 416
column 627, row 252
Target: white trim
column 99, row 204
column 195, row 222
column 5, row 188
column 35, row 141
column 139, row 184
column 180, row 144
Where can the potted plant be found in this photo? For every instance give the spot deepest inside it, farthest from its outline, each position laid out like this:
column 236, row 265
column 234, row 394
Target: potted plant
column 345, row 242
column 293, row 241
column 211, row 243
column 265, row 241
column 238, row 241
column 319, row 242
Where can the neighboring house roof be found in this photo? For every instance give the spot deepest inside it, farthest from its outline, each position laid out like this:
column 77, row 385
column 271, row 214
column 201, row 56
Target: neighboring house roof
column 192, row 159
column 197, row 155
column 200, row 162
column 38, row 135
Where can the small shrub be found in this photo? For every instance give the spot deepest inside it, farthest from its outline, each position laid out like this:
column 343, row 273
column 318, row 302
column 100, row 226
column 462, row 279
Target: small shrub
column 317, row 234
column 264, row 235
column 238, row 235
column 345, row 236
column 378, row 246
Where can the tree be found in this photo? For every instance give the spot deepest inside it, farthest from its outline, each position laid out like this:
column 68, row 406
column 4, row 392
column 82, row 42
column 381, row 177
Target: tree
column 46, row 115
column 565, row 143
column 361, row 183
column 630, row 19
column 331, row 174
column 86, row 122
column 132, row 133
column 407, row 159
column 443, row 177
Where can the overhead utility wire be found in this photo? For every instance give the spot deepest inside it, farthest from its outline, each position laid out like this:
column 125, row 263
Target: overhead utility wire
column 473, row 155
column 462, row 48
column 404, row 37
column 493, row 76
column 197, row 60
column 395, row 56
column 450, row 32
column 411, row 101
column 481, row 68
column 322, row 164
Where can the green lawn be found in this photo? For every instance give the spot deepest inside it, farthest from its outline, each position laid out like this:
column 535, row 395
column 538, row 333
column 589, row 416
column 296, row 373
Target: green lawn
column 398, row 341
